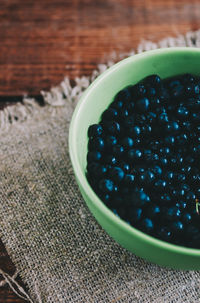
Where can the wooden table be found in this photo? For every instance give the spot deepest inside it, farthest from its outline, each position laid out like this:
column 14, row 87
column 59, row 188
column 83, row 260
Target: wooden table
column 43, row 41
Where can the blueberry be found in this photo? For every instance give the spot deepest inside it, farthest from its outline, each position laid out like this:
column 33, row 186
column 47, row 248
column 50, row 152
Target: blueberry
column 192, row 89
column 106, row 185
column 174, row 83
column 163, row 118
column 96, row 169
column 142, row 104
column 124, row 113
column 110, row 114
column 129, row 122
column 151, row 91
column 165, row 198
column 187, row 218
column 160, row 184
column 172, row 126
column 139, row 90
column 146, row 225
column 152, row 211
column 173, row 213
column 95, row 130
column 111, row 127
column 94, row 156
column 177, row 91
column 135, row 215
column 164, row 95
column 169, row 176
column 140, row 198
column 125, row 95
column 181, row 139
column 125, row 166
column 157, row 170
column 187, row 78
column 182, row 112
column 190, row 196
column 131, row 107
column 110, row 141
column 96, row 143
column 164, row 233
column 177, row 226
column 129, row 179
column 110, row 159
column 135, row 131
column 169, row 140
column 163, row 161
column 116, row 174
column 118, row 150
column 134, row 154
column 118, row 104
column 146, row 130
column 127, row 142
column 153, row 80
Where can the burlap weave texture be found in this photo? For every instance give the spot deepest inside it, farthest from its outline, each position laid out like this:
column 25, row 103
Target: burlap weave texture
column 58, row 247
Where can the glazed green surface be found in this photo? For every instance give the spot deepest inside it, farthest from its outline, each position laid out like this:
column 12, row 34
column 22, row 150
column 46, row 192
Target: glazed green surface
column 166, row 63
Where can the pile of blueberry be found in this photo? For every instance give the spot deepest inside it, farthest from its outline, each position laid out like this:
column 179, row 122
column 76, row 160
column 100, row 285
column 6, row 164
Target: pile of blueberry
column 143, row 157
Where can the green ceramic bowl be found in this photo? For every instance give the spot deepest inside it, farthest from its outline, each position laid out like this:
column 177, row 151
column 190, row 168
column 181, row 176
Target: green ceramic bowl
column 166, row 63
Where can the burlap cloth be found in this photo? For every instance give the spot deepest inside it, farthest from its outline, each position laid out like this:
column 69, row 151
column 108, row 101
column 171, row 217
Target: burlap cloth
column 59, row 250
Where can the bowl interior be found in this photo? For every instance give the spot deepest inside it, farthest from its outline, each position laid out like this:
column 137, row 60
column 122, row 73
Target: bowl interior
column 165, row 63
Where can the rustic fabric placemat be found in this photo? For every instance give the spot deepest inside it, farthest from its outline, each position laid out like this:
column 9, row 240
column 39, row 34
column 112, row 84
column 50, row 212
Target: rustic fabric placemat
column 59, row 250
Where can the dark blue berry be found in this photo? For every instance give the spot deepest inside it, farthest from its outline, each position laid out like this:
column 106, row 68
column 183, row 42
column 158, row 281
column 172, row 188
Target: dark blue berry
column 192, row 89
column 173, row 213
column 182, row 112
column 95, row 130
column 165, row 234
column 135, row 131
column 118, row 150
column 127, row 142
column 160, row 184
column 125, row 95
column 94, row 156
column 157, row 170
column 154, row 103
column 153, row 80
column 110, row 159
column 129, row 179
column 152, row 211
column 135, row 215
column 146, row 225
column 169, row 140
column 172, row 126
column 116, row 174
column 139, row 90
column 106, row 185
column 111, row 127
column 96, row 169
column 96, row 143
column 110, row 114
column 142, row 104
column 125, row 166
column 134, row 154
column 110, row 141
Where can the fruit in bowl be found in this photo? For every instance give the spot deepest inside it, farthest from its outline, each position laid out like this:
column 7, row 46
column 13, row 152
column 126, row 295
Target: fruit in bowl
column 134, row 146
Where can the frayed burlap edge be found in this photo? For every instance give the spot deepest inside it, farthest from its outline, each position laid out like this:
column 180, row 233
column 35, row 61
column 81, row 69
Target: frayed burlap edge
column 67, row 95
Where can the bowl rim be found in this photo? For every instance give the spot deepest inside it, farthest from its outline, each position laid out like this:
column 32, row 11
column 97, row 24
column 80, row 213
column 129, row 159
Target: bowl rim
column 80, row 175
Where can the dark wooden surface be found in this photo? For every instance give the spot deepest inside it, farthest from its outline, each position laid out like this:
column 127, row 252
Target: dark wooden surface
column 41, row 41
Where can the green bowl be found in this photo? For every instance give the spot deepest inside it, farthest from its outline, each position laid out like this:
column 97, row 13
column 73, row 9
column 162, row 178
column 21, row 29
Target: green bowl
column 166, row 63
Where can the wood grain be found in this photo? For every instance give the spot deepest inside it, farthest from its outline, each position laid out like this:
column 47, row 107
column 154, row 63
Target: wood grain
column 43, row 41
